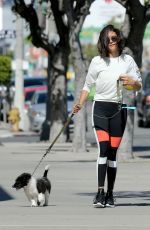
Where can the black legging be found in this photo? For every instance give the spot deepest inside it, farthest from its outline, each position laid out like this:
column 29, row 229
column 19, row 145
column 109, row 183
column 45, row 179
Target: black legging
column 109, row 122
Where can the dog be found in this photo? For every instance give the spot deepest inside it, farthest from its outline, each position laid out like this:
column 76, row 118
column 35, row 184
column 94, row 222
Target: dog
column 36, row 190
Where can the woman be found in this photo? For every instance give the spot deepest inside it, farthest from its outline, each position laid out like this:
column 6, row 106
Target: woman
column 109, row 113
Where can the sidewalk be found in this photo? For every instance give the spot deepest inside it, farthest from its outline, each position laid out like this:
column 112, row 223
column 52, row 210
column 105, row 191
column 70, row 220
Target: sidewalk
column 5, row 131
column 73, row 178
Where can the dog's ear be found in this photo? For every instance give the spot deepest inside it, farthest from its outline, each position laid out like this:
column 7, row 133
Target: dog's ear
column 26, row 176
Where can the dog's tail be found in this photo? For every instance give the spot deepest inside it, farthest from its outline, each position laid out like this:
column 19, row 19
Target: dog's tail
column 46, row 171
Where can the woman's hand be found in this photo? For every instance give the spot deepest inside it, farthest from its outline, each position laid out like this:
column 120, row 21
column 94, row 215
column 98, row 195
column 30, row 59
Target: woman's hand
column 129, row 83
column 76, row 108
column 127, row 80
column 83, row 98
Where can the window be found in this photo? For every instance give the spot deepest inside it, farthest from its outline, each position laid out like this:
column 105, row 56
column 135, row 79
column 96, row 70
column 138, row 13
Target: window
column 147, row 82
column 33, row 82
column 29, row 96
column 42, row 98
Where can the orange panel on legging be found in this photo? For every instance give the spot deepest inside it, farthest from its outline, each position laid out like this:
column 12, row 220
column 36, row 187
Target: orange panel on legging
column 115, row 141
column 102, row 135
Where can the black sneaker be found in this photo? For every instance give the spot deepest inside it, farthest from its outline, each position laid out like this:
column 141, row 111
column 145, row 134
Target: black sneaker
column 109, row 200
column 99, row 200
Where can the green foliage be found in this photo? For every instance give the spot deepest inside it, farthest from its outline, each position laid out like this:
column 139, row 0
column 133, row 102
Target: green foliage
column 89, row 51
column 113, row 22
column 147, row 32
column 5, row 69
column 146, row 2
column 91, row 94
column 28, row 39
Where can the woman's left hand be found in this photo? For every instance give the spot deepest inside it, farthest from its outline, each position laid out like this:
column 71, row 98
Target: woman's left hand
column 129, row 83
column 127, row 80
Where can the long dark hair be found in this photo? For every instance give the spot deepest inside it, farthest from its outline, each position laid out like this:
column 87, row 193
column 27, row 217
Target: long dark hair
column 103, row 41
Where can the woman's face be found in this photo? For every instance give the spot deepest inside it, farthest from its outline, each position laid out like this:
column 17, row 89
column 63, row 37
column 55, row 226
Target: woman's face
column 112, row 42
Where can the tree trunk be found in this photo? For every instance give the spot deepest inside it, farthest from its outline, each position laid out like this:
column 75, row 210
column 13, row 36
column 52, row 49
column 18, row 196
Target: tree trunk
column 59, row 93
column 56, row 108
column 134, row 47
column 134, row 43
column 125, row 150
column 79, row 140
column 45, row 132
column 56, row 112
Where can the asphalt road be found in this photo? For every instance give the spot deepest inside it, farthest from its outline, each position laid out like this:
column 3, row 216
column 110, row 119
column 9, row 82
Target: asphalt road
column 73, row 178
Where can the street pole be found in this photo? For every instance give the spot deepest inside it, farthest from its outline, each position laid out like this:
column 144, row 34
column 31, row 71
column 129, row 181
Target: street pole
column 1, row 14
column 19, row 82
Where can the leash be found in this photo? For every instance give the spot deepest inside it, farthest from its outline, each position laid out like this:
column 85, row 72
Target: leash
column 129, row 107
column 53, row 142
column 120, row 96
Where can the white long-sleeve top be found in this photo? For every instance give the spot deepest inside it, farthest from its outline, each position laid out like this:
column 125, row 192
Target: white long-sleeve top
column 104, row 73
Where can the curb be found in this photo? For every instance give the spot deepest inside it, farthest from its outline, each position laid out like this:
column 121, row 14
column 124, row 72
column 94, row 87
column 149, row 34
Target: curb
column 5, row 134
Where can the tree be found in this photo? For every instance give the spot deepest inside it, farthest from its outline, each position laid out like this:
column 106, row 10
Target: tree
column 58, row 52
column 76, row 14
column 5, row 69
column 68, row 19
column 68, row 15
column 137, row 17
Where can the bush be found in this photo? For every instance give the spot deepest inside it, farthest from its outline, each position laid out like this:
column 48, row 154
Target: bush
column 5, row 70
column 91, row 94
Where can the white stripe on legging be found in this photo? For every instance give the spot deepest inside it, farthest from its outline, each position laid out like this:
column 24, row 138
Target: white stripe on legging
column 112, row 164
column 102, row 160
column 98, row 145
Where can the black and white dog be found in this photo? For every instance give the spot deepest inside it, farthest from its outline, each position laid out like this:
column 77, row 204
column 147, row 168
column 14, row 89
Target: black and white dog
column 36, row 190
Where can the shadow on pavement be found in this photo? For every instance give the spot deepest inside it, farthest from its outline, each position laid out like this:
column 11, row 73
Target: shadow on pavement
column 4, row 196
column 133, row 194
column 141, row 148
column 144, row 157
column 127, row 194
column 132, row 204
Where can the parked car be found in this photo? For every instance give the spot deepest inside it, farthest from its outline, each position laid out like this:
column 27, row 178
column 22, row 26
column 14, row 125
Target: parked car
column 29, row 91
column 4, row 106
column 37, row 109
column 143, row 102
column 28, row 82
column 31, row 81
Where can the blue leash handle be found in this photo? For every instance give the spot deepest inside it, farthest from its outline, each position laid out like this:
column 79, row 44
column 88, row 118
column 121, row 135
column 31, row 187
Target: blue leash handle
column 129, row 107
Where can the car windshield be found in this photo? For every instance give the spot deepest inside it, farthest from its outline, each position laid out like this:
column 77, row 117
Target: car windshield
column 33, row 82
column 147, row 82
column 29, row 96
column 42, row 98
column 70, row 96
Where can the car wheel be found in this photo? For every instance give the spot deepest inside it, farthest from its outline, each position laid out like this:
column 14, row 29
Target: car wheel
column 139, row 114
column 145, row 124
column 140, row 123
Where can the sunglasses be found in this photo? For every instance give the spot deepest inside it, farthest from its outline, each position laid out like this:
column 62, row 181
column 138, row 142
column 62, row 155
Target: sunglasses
column 113, row 39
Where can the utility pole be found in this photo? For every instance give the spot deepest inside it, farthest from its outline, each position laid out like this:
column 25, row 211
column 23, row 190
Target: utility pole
column 1, row 14
column 19, row 82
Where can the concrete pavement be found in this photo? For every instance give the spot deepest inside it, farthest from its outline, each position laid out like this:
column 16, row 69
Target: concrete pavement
column 73, row 178
column 6, row 135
